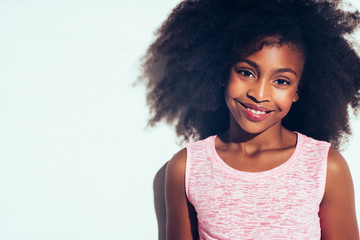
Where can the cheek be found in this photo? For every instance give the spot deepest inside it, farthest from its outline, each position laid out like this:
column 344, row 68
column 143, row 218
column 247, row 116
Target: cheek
column 233, row 88
column 229, row 94
column 285, row 100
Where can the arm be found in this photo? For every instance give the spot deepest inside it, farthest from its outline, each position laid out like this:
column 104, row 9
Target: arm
column 337, row 209
column 180, row 214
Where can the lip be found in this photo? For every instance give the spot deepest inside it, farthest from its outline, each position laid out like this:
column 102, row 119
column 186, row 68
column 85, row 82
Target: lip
column 254, row 116
column 255, row 107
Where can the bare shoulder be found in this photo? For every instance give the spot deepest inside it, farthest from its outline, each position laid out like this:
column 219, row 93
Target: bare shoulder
column 180, row 215
column 336, row 163
column 338, row 174
column 175, row 174
column 177, row 163
column 337, row 209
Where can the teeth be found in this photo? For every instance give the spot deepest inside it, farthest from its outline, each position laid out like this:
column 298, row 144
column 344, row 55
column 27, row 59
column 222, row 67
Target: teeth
column 256, row 112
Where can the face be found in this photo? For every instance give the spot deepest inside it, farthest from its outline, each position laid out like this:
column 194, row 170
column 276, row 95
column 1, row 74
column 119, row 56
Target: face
column 263, row 86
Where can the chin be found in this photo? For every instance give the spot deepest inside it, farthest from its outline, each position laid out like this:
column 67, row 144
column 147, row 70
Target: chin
column 255, row 128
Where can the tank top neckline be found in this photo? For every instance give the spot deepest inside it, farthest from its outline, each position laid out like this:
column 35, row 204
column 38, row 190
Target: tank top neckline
column 271, row 172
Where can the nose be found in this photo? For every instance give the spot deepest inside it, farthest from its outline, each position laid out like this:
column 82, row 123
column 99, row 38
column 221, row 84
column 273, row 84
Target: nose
column 259, row 91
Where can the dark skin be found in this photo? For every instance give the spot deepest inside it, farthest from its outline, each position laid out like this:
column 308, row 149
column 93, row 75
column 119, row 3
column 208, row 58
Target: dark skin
column 337, row 209
column 179, row 213
column 258, row 142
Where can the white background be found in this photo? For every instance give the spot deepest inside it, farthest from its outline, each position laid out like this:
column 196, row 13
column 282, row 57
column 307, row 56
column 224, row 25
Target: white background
column 76, row 161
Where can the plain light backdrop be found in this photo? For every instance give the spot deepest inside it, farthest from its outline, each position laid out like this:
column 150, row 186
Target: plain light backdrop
column 76, row 161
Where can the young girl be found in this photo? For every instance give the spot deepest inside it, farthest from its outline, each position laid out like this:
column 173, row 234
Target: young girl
column 255, row 82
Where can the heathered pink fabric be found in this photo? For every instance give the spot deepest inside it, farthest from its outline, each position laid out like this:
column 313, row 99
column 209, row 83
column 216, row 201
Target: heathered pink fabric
column 282, row 203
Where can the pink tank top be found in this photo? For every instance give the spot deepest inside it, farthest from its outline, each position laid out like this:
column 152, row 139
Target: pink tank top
column 281, row 203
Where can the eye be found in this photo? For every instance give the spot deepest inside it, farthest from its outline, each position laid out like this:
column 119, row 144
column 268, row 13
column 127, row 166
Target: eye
column 282, row 82
column 245, row 73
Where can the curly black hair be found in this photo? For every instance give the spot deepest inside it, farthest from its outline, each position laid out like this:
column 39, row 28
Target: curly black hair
column 195, row 48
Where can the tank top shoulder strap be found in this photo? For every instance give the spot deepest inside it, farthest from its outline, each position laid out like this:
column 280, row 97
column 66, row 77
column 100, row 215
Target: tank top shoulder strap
column 314, row 157
column 196, row 153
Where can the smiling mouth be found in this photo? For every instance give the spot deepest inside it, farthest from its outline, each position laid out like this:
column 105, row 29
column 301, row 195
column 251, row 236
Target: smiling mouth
column 255, row 109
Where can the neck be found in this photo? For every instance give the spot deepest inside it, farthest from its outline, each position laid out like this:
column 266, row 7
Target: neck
column 273, row 137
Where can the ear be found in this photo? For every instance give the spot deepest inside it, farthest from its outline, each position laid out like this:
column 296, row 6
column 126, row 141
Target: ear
column 296, row 97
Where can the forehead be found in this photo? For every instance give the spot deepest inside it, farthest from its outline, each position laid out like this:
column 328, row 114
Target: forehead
column 284, row 56
column 272, row 41
column 276, row 51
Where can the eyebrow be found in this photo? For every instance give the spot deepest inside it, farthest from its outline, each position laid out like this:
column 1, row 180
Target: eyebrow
column 251, row 63
column 281, row 70
column 257, row 67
